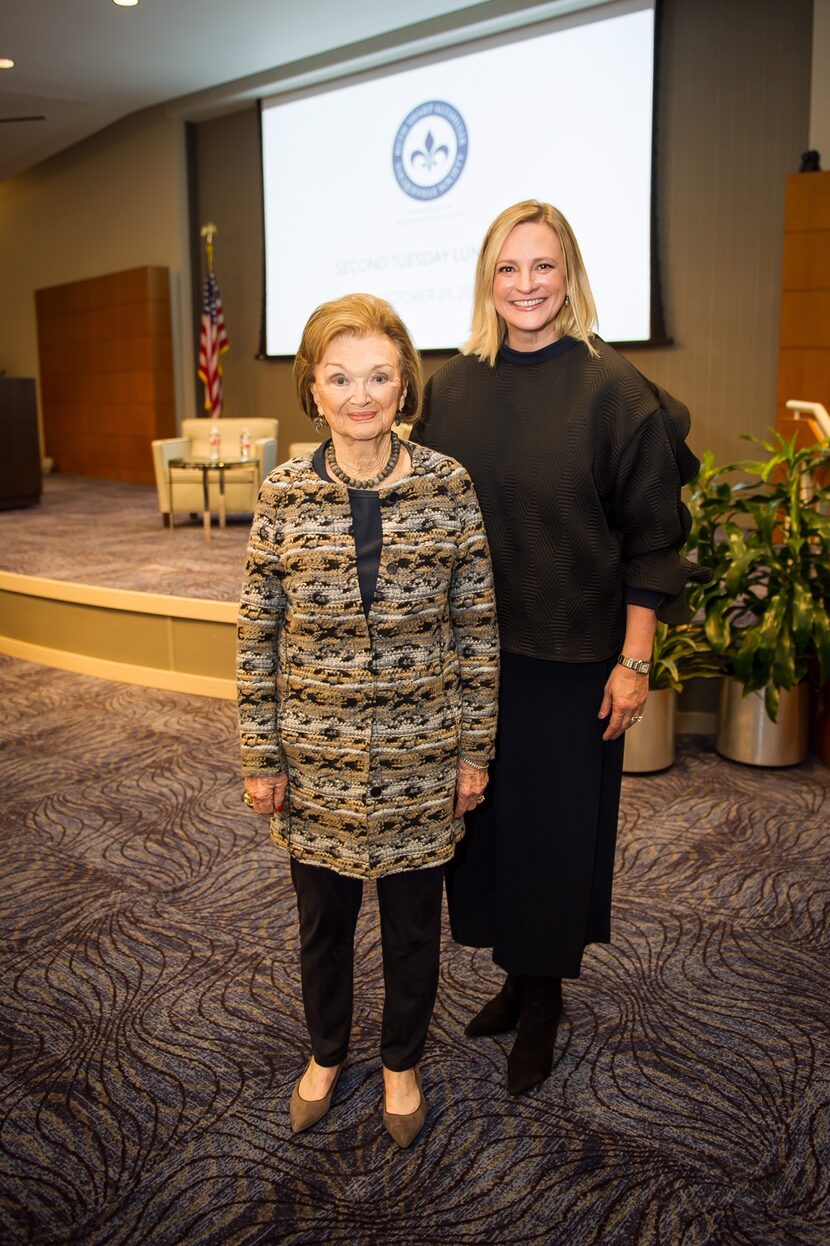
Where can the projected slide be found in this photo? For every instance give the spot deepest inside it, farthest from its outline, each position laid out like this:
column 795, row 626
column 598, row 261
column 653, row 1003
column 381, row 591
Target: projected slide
column 386, row 185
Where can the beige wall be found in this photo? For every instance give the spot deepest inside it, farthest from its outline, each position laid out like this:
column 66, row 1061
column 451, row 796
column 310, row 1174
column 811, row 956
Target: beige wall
column 230, row 195
column 820, row 82
column 116, row 201
column 734, row 119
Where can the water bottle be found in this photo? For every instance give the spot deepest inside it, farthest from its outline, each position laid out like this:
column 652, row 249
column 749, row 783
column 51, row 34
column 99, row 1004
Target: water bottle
column 213, row 442
column 245, row 444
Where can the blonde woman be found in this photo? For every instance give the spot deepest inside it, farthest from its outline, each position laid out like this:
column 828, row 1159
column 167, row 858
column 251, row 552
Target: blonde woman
column 578, row 462
column 368, row 670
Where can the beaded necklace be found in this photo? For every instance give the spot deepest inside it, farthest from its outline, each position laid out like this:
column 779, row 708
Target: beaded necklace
column 391, row 463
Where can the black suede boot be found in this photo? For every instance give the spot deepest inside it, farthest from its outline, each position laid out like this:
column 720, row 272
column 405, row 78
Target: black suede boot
column 500, row 1013
column 531, row 1059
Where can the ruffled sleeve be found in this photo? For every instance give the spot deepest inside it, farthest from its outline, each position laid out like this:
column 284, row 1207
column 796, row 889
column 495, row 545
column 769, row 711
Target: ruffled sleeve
column 648, row 513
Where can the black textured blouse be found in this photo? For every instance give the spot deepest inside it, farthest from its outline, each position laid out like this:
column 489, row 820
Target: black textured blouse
column 578, row 464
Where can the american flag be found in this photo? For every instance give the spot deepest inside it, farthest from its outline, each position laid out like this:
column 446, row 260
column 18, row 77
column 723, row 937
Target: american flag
column 213, row 342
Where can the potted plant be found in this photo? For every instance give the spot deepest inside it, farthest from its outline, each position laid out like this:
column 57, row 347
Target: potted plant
column 762, row 527
column 680, row 653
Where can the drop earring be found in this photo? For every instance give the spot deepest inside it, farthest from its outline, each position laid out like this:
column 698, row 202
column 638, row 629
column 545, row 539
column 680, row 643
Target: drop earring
column 318, row 421
column 567, row 301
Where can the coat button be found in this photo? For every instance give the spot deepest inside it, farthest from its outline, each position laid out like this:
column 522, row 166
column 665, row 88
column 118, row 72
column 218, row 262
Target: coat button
column 376, row 790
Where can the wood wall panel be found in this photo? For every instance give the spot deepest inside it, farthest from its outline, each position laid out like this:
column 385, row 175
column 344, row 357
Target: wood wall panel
column 106, row 366
column 808, row 202
column 800, row 371
column 804, row 340
column 805, row 268
column 805, row 315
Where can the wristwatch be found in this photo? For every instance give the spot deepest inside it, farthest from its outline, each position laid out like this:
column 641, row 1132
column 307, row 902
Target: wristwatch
column 634, row 664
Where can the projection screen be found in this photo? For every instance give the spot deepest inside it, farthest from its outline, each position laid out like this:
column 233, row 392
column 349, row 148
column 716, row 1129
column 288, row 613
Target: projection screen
column 386, row 183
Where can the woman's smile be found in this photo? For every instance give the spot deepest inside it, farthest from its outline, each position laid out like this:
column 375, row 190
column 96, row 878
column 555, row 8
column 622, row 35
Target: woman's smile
column 357, row 387
column 529, row 286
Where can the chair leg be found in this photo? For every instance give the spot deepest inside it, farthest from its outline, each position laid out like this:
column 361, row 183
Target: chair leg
column 165, row 519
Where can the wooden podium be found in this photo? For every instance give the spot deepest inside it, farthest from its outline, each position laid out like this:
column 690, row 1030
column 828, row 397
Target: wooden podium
column 804, row 349
column 20, row 479
column 804, row 355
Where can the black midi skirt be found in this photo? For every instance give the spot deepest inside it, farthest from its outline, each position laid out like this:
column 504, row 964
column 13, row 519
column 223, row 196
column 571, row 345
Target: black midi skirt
column 532, row 877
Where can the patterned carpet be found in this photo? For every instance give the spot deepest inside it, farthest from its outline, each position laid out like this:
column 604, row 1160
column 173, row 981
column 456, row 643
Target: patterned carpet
column 106, row 533
column 152, row 1026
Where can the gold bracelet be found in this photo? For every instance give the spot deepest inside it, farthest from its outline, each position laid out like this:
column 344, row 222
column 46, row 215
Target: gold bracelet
column 474, row 765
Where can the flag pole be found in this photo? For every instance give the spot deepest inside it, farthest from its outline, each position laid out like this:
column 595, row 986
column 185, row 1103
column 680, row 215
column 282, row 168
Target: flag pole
column 209, row 232
column 213, row 338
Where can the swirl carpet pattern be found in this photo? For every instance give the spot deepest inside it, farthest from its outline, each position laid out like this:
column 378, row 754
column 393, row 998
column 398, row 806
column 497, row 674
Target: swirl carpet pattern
column 152, row 1026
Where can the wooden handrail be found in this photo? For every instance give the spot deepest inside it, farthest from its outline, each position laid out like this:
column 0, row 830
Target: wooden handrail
column 814, row 414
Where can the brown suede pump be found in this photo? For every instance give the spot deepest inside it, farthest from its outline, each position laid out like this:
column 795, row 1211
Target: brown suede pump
column 404, row 1127
column 307, row 1112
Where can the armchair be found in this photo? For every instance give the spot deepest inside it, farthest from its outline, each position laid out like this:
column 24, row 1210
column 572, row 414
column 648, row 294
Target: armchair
column 241, row 483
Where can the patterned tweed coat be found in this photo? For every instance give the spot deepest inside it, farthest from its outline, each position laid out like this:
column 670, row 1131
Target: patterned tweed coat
column 367, row 716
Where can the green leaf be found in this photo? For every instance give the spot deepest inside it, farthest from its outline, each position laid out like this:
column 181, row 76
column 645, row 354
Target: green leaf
column 669, row 675
column 745, row 657
column 803, row 615
column 770, row 624
column 821, row 640
column 772, row 699
column 717, row 627
column 784, row 664
column 737, row 573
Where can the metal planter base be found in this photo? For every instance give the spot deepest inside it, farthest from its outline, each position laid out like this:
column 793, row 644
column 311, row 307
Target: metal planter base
column 746, row 733
column 650, row 745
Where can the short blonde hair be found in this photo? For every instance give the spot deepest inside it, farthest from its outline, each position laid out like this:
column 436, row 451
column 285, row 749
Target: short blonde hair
column 357, row 315
column 576, row 319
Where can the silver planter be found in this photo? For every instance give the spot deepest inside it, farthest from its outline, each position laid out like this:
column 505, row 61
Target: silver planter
column 747, row 734
column 649, row 745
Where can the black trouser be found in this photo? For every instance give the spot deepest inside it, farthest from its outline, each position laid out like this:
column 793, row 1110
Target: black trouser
column 410, row 930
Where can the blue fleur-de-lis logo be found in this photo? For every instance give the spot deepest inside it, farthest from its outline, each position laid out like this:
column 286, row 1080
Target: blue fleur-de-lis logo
column 430, row 156
column 430, row 150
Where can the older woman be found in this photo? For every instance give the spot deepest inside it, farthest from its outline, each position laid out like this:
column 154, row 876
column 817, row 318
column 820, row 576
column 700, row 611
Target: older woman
column 368, row 659
column 578, row 463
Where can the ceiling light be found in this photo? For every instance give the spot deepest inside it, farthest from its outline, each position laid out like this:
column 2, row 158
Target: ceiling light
column 6, row 62
column 125, row 4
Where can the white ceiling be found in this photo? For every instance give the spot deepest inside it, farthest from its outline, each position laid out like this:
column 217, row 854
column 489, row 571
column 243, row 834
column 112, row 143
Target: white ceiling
column 86, row 63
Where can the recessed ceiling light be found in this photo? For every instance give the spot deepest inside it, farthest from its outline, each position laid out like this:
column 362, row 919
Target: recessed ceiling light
column 125, row 4
column 6, row 62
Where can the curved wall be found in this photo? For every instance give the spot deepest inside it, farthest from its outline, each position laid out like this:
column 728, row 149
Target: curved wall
column 178, row 643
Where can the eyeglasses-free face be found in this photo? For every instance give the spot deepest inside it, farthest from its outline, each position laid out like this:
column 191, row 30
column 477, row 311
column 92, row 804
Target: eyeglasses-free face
column 357, row 386
column 529, row 285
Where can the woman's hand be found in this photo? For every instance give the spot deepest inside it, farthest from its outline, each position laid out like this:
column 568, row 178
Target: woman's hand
column 267, row 792
column 625, row 695
column 469, row 787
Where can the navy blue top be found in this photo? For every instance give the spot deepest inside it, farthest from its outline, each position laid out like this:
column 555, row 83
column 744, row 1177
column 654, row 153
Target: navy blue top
column 525, row 357
column 368, row 532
